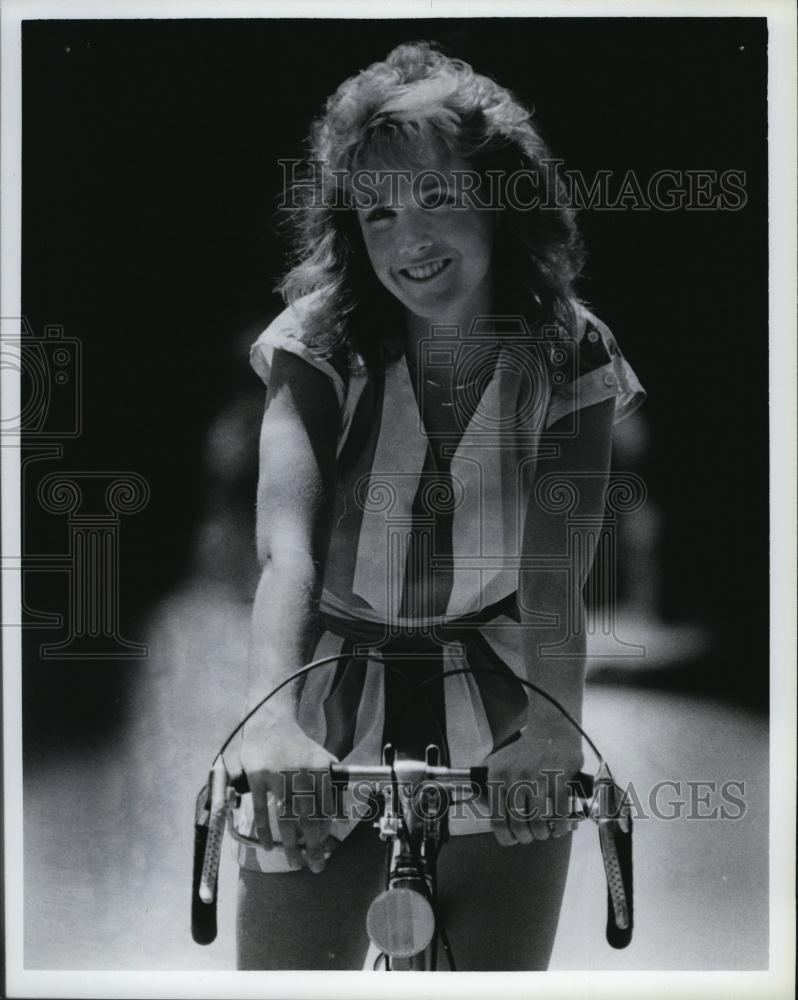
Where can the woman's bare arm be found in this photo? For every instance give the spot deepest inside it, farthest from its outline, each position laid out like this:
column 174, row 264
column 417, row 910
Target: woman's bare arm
column 582, row 466
column 533, row 770
column 295, row 486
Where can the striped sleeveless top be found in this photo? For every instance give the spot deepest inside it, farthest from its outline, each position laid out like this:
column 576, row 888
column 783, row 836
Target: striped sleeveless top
column 397, row 517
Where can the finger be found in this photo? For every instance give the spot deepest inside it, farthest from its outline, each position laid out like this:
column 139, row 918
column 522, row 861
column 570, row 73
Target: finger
column 289, row 835
column 316, row 826
column 540, row 830
column 521, row 831
column 286, row 812
column 305, row 810
column 559, row 827
column 259, row 787
column 314, row 833
column 329, row 845
column 499, row 824
column 518, row 817
column 303, row 793
column 555, row 804
column 502, row 832
column 314, row 855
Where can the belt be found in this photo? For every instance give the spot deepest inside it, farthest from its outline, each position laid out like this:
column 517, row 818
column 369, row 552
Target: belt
column 415, row 653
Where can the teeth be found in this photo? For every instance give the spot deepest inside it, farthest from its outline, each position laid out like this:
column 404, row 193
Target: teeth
column 426, row 270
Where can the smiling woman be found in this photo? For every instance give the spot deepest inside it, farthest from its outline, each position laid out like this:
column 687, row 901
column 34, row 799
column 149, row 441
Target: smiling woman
column 431, row 253
column 425, row 133
column 433, row 372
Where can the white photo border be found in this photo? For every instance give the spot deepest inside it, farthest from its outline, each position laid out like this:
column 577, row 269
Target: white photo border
column 777, row 982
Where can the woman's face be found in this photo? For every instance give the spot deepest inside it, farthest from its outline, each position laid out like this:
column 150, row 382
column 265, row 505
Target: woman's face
column 431, row 252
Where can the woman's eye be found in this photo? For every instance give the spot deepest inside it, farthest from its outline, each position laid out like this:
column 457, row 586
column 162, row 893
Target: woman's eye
column 438, row 199
column 378, row 214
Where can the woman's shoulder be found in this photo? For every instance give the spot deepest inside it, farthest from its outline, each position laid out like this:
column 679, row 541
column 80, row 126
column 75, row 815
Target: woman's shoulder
column 596, row 369
column 595, row 342
column 291, row 321
column 587, row 321
column 289, row 331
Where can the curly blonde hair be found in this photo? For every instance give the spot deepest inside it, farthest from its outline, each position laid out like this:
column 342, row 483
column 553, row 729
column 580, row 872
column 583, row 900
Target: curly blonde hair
column 416, row 97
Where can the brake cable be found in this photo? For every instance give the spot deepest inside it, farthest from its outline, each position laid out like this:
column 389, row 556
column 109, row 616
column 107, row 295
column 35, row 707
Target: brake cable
column 440, row 932
column 496, row 673
column 323, row 661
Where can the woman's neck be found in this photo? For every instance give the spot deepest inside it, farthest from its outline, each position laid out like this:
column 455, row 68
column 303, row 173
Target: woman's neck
column 419, row 328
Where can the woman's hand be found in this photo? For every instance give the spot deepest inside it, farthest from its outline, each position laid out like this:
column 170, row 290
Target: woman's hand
column 528, row 782
column 280, row 759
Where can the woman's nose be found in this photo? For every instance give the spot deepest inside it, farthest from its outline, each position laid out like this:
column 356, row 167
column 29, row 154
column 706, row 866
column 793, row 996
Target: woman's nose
column 415, row 238
column 414, row 248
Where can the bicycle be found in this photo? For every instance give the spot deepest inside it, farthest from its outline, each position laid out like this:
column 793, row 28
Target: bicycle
column 412, row 801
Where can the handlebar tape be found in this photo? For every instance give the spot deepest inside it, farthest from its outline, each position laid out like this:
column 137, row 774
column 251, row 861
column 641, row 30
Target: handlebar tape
column 216, row 824
column 203, row 915
column 616, row 849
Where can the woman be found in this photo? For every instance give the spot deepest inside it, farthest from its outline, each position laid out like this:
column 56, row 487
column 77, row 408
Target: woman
column 435, row 389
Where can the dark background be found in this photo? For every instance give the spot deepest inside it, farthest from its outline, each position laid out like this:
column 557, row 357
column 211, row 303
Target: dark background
column 149, row 190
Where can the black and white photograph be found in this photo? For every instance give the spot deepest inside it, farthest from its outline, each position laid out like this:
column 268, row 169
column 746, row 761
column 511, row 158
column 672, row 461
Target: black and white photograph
column 398, row 482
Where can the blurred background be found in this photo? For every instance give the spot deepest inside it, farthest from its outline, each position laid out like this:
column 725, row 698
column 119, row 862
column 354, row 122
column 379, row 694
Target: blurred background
column 150, row 235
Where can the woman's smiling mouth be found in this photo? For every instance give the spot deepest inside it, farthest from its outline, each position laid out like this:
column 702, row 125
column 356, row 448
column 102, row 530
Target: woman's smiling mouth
column 425, row 272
